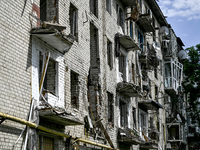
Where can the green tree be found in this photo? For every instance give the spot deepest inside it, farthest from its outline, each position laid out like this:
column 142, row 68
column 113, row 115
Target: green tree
column 191, row 82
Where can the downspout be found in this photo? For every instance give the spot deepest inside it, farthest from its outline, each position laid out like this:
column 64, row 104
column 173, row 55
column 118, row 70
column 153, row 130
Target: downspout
column 42, row 128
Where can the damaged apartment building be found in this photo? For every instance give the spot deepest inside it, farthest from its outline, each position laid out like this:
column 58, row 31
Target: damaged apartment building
column 89, row 74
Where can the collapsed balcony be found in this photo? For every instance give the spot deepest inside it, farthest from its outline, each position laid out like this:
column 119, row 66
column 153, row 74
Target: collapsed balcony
column 149, row 105
column 52, row 34
column 145, row 22
column 59, row 116
column 129, row 89
column 128, row 136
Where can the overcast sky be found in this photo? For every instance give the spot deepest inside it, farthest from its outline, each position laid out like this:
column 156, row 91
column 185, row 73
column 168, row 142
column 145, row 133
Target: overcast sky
column 184, row 17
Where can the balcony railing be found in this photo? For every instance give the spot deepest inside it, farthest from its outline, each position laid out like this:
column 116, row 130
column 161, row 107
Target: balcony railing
column 173, row 76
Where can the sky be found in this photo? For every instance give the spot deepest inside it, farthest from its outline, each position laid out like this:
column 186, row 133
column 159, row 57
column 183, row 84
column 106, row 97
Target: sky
column 184, row 17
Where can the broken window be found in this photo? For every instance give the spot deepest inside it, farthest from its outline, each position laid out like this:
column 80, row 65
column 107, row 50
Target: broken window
column 122, row 66
column 46, row 143
column 156, row 92
column 74, row 90
column 50, row 80
column 140, row 40
column 49, row 10
column 143, row 122
column 134, row 117
column 173, row 132
column 123, row 114
column 120, row 16
column 73, row 17
column 108, row 6
column 109, row 54
column 110, row 108
column 94, row 7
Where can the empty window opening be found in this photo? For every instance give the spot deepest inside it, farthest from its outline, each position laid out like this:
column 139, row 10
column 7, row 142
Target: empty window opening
column 73, row 17
column 143, row 122
column 134, row 117
column 120, row 16
column 74, row 90
column 110, row 108
column 122, row 66
column 49, row 10
column 173, row 132
column 108, row 6
column 94, row 7
column 109, row 54
column 133, row 73
column 94, row 45
column 50, row 80
column 156, row 93
column 123, row 114
column 156, row 72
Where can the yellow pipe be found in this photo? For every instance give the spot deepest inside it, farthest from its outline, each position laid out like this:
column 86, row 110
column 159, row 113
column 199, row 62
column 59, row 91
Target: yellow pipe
column 42, row 128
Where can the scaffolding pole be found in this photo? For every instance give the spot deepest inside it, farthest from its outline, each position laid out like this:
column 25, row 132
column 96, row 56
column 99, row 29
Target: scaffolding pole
column 42, row 128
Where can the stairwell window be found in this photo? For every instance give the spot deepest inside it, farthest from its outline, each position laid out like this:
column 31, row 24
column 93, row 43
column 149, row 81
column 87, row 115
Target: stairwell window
column 94, row 7
column 74, row 89
column 73, row 17
column 108, row 6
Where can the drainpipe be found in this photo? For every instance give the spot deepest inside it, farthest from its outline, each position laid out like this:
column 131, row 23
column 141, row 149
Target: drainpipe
column 42, row 128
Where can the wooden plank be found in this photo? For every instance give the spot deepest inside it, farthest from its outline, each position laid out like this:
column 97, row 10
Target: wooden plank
column 106, row 134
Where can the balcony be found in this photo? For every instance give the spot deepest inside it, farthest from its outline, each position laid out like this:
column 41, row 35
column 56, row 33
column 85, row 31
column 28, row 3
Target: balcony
column 128, row 136
column 127, row 42
column 52, row 34
column 149, row 105
column 173, row 76
column 129, row 89
column 59, row 117
column 145, row 22
column 148, row 143
column 149, row 56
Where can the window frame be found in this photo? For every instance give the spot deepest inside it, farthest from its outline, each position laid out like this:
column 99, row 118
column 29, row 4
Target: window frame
column 109, row 54
column 77, row 91
column 108, row 6
column 73, row 18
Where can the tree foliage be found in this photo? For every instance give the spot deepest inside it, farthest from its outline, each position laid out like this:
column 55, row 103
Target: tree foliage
column 191, row 82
